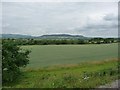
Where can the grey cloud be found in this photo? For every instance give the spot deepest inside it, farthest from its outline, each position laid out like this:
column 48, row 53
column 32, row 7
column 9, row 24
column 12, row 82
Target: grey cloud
column 101, row 28
column 48, row 18
column 111, row 17
column 103, row 24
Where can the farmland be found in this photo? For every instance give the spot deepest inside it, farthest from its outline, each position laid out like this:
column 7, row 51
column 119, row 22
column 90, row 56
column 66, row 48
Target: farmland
column 49, row 55
column 84, row 75
column 68, row 66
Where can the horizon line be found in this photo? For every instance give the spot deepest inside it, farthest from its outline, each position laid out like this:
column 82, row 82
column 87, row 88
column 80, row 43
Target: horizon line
column 61, row 34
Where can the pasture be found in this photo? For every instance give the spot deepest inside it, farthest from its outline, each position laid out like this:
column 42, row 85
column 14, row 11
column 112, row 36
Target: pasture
column 69, row 66
column 50, row 55
column 84, row 75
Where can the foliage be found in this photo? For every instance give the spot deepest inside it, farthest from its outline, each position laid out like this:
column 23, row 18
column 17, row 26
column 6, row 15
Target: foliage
column 85, row 75
column 63, row 41
column 12, row 59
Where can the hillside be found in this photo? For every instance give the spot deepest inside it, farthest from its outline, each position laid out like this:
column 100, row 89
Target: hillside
column 62, row 36
column 15, row 36
column 52, row 36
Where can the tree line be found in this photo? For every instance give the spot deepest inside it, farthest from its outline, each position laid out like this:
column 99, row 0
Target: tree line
column 62, row 41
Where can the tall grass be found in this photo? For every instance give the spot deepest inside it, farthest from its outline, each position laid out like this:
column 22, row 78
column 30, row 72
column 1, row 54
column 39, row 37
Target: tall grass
column 84, row 75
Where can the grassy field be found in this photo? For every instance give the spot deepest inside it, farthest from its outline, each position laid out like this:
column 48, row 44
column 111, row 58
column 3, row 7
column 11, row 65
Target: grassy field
column 69, row 66
column 84, row 75
column 49, row 55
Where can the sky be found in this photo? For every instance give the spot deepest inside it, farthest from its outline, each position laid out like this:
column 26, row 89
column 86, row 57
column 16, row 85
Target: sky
column 91, row 19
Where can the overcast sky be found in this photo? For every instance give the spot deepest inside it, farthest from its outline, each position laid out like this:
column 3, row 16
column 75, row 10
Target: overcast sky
column 38, row 18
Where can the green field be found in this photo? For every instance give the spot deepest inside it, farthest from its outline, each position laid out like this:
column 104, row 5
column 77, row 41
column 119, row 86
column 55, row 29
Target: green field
column 48, row 55
column 69, row 66
column 84, row 75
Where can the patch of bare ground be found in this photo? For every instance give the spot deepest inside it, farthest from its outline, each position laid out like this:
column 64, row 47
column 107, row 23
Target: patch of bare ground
column 115, row 84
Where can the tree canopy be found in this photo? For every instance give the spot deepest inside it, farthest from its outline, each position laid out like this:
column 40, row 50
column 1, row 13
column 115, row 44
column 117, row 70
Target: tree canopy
column 13, row 57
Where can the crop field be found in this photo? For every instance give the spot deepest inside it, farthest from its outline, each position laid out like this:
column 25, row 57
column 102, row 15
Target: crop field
column 69, row 66
column 50, row 55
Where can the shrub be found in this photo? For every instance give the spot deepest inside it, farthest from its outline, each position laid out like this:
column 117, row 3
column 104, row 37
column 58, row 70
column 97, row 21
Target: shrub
column 13, row 57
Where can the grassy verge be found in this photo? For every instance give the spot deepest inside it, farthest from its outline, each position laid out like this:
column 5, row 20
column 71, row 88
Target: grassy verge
column 84, row 75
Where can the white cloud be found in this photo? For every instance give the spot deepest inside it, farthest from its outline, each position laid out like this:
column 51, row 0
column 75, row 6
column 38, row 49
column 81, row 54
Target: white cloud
column 60, row 17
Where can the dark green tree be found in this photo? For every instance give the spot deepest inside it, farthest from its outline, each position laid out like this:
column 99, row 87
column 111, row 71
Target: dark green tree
column 13, row 57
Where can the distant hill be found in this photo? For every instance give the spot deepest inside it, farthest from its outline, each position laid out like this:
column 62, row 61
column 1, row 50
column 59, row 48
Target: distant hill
column 52, row 36
column 15, row 36
column 62, row 36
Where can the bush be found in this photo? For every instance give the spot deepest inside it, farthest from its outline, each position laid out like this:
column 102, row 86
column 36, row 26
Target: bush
column 13, row 57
